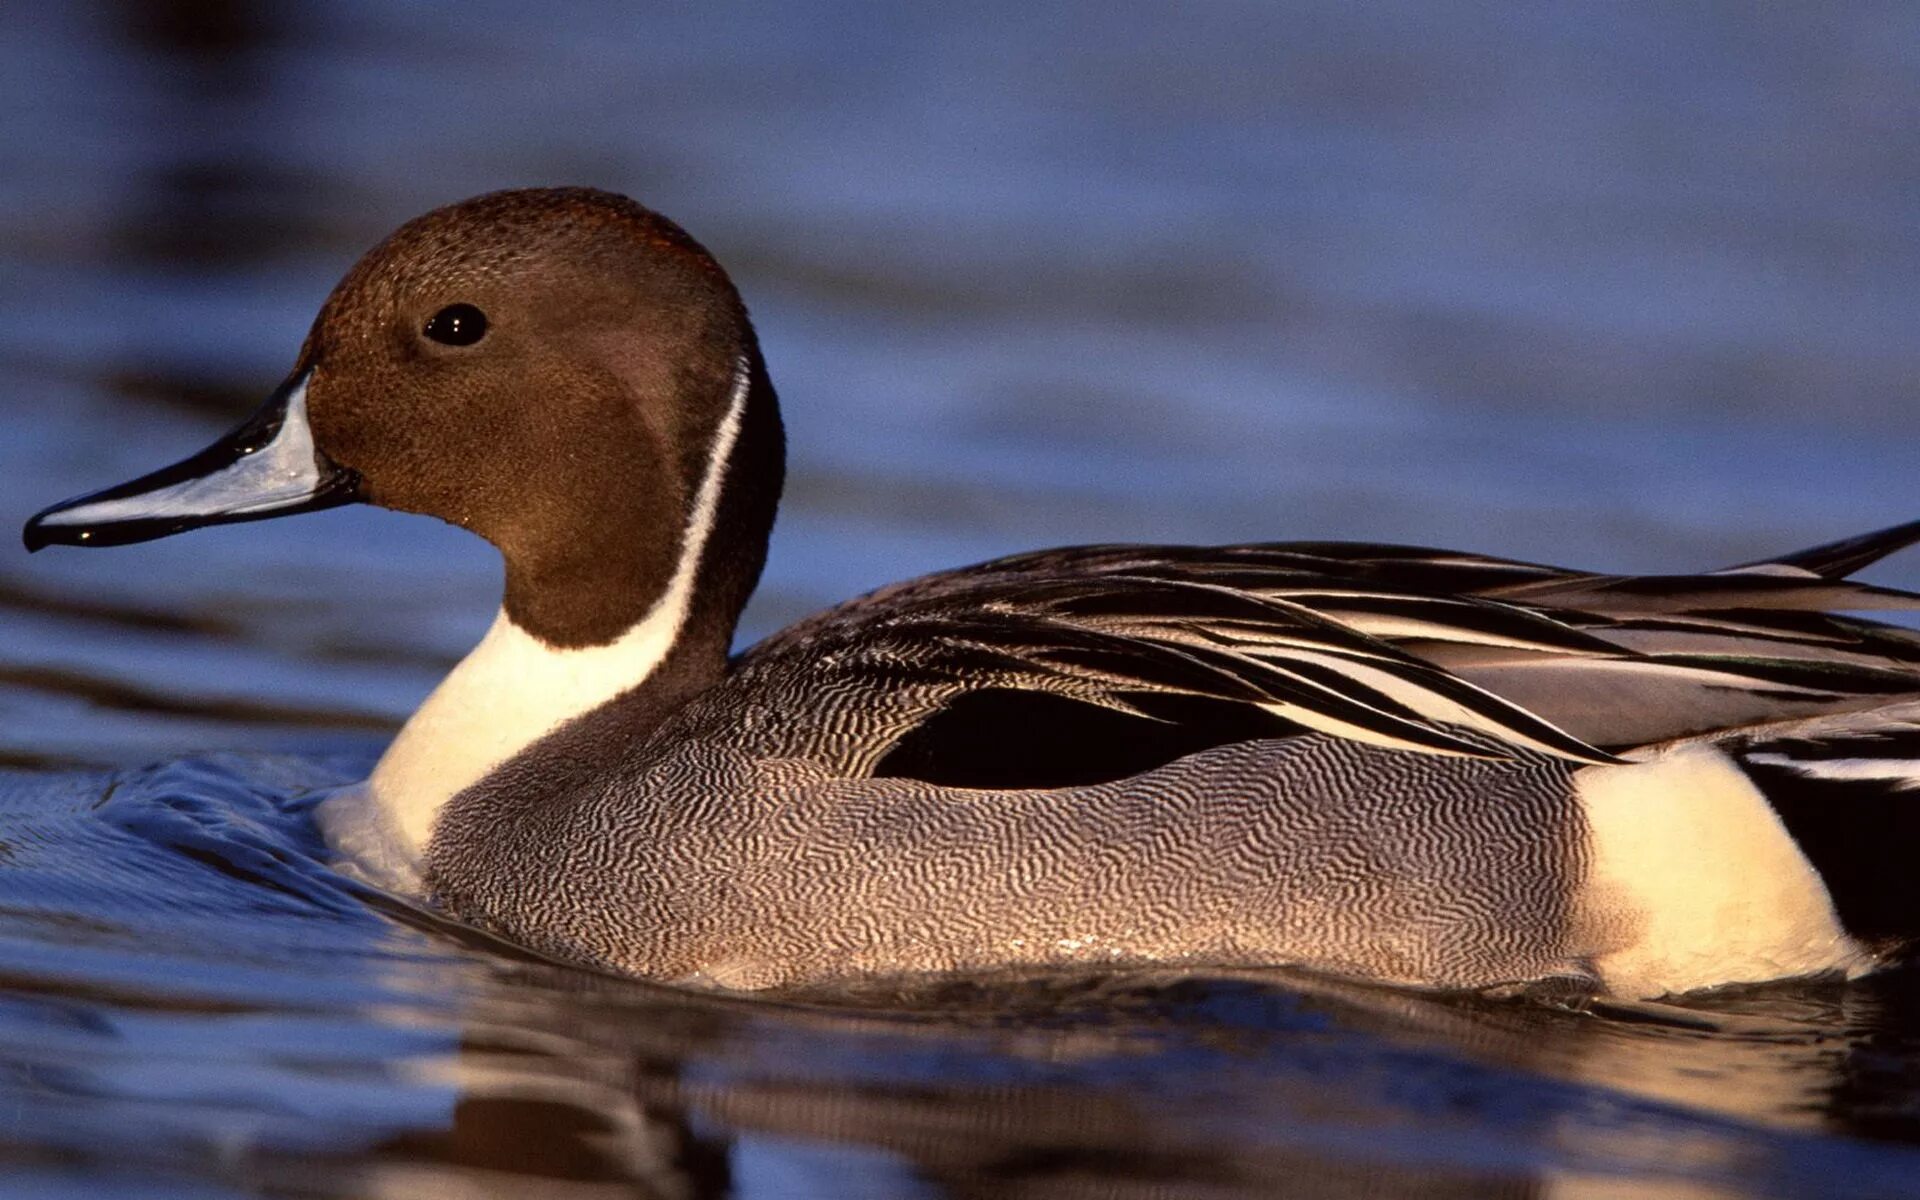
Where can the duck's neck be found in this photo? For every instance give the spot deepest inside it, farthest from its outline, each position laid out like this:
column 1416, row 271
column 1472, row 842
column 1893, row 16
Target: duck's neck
column 516, row 687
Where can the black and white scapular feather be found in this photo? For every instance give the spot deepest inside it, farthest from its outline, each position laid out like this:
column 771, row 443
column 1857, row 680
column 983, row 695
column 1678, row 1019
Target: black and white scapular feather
column 1409, row 765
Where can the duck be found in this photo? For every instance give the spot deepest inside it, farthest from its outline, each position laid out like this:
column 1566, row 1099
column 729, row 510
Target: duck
column 1409, row 766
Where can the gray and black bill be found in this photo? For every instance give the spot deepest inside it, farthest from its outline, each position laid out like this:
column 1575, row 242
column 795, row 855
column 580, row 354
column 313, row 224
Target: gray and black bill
column 268, row 467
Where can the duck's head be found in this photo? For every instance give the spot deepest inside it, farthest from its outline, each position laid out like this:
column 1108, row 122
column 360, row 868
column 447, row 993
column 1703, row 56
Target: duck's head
column 561, row 371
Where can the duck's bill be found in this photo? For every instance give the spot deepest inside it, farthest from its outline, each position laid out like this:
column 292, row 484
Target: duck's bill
column 268, row 467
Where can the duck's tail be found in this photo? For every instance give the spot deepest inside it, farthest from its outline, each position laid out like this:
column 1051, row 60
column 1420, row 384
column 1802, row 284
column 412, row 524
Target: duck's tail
column 1847, row 787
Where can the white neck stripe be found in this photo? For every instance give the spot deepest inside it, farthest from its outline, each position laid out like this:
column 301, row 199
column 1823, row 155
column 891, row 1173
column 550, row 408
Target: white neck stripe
column 513, row 688
column 706, row 505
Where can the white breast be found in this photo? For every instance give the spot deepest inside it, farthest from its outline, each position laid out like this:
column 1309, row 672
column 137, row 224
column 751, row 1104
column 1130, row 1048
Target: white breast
column 510, row 691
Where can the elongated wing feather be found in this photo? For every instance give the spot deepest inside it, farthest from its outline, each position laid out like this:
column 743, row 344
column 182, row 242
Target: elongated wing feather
column 1837, row 560
column 1400, row 645
column 1110, row 639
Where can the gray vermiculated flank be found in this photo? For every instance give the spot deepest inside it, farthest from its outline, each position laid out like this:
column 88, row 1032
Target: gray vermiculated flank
column 704, row 853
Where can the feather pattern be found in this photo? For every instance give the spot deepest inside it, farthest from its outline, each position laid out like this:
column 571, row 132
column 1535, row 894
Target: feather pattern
column 1399, row 646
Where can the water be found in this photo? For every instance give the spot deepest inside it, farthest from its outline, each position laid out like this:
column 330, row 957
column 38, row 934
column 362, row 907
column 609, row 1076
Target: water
column 1632, row 288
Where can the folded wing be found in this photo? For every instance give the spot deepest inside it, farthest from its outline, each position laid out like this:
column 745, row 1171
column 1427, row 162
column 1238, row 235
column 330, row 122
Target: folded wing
column 1398, row 646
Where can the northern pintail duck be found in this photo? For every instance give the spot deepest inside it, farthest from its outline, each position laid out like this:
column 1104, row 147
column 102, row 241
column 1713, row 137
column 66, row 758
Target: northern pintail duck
column 1409, row 765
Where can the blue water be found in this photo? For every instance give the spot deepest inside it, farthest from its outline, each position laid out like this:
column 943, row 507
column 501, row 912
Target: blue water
column 1632, row 287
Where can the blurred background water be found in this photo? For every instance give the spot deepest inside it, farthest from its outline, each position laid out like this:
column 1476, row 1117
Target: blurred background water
column 1633, row 286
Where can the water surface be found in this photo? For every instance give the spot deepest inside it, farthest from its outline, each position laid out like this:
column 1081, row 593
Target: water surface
column 1635, row 291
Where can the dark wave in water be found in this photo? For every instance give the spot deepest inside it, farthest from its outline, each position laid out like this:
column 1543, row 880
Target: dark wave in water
column 188, row 994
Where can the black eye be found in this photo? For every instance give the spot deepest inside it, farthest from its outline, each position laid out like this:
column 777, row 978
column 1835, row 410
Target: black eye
column 457, row 325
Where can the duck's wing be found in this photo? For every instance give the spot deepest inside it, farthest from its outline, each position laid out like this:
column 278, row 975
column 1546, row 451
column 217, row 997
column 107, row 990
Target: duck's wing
column 1683, row 654
column 1396, row 645
column 1164, row 657
column 1752, row 644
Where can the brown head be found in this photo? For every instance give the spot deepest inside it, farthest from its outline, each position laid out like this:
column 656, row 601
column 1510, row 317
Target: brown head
column 559, row 370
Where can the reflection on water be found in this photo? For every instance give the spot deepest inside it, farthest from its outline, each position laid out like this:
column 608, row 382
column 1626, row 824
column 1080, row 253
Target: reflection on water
column 1632, row 287
column 190, row 996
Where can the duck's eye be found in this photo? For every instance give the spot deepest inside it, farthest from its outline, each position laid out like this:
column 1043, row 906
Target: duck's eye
column 457, row 325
